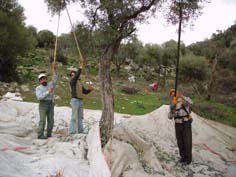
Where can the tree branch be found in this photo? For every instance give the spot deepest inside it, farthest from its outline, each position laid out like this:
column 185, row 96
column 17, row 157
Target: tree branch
column 142, row 9
column 129, row 33
column 94, row 17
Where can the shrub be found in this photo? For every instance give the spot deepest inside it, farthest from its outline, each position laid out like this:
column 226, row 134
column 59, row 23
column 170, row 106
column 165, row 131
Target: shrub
column 60, row 58
column 210, row 111
column 226, row 84
column 193, row 68
column 129, row 90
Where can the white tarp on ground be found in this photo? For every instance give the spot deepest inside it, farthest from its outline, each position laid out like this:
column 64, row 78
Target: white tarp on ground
column 98, row 165
column 153, row 137
column 23, row 155
column 143, row 146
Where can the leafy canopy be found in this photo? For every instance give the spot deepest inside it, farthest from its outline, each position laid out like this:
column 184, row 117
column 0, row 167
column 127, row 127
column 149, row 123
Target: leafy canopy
column 15, row 38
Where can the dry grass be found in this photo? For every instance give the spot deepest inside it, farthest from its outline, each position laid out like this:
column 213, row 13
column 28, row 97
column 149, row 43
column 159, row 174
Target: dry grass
column 59, row 173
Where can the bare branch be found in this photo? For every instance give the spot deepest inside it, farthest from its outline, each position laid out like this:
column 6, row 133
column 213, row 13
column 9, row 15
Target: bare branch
column 142, row 9
column 94, row 17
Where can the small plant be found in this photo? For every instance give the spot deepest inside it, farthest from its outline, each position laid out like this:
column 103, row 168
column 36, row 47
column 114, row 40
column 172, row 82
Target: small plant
column 59, row 173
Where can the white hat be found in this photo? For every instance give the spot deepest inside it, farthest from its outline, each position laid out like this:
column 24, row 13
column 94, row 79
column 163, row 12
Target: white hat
column 41, row 75
column 72, row 69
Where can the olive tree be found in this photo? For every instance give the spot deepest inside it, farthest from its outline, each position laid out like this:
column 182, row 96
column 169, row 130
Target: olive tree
column 115, row 20
column 15, row 38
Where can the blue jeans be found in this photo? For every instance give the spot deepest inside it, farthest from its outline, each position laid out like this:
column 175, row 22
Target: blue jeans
column 76, row 122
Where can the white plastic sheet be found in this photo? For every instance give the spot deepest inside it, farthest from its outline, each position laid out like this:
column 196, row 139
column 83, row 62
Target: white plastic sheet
column 98, row 164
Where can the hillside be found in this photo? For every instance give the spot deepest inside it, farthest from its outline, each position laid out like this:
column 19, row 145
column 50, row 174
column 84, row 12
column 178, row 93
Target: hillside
column 221, row 107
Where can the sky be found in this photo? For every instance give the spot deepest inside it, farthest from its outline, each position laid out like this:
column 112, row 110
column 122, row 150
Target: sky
column 217, row 15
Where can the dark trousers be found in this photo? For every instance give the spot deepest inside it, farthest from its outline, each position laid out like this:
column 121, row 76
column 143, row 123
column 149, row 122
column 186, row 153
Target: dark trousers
column 46, row 110
column 183, row 132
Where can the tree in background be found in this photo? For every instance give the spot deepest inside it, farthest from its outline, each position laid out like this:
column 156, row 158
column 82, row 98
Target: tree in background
column 46, row 39
column 129, row 50
column 66, row 44
column 32, row 34
column 120, row 58
column 194, row 69
column 15, row 39
column 219, row 51
column 168, row 58
column 232, row 60
column 151, row 60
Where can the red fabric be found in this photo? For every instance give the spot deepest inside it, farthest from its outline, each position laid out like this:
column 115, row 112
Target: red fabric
column 220, row 155
column 155, row 87
column 17, row 148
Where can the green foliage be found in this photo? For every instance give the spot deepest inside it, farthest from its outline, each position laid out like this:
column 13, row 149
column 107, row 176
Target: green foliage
column 90, row 43
column 217, row 111
column 15, row 39
column 150, row 55
column 60, row 58
column 28, row 65
column 196, row 48
column 46, row 39
column 120, row 58
column 190, row 10
column 193, row 68
column 57, row 5
column 134, row 46
column 232, row 60
column 153, row 54
column 233, row 43
column 216, row 45
column 32, row 34
column 129, row 50
column 85, row 39
column 221, row 54
column 67, row 42
column 169, row 53
column 226, row 84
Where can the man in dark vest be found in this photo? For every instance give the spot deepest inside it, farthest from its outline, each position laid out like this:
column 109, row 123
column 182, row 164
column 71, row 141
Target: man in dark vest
column 77, row 96
column 180, row 110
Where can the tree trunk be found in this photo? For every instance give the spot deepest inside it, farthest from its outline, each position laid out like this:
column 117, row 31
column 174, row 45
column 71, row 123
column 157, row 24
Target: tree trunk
column 118, row 70
column 107, row 118
column 212, row 78
column 164, row 77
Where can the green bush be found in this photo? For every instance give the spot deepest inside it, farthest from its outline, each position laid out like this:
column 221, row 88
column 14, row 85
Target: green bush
column 60, row 58
column 14, row 36
column 209, row 111
column 193, row 68
column 226, row 84
column 229, row 101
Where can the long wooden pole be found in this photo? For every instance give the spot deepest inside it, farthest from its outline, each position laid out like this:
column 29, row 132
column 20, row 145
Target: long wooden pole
column 76, row 40
column 178, row 49
column 55, row 49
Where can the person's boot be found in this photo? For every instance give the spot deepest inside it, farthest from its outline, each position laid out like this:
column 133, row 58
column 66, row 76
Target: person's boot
column 49, row 135
column 187, row 162
column 42, row 137
column 182, row 160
